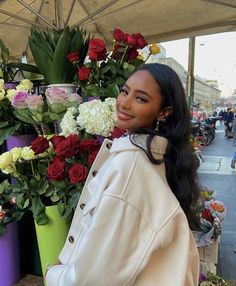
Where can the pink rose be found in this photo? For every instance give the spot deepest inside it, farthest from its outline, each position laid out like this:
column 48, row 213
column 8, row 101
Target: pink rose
column 18, row 100
column 34, row 102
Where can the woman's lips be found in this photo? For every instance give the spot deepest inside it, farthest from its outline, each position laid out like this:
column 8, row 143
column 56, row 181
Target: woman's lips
column 123, row 116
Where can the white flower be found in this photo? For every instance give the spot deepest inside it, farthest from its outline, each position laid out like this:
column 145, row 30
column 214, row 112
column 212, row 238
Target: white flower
column 97, row 117
column 68, row 123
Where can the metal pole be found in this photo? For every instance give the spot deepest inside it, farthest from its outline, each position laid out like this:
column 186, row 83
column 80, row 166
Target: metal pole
column 190, row 78
column 60, row 14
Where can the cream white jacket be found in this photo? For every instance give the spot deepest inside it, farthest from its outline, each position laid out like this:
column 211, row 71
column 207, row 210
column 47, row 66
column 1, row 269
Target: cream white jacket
column 128, row 228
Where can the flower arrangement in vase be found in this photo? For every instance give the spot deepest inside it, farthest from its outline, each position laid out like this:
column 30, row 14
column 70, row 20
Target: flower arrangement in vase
column 50, row 50
column 51, row 171
column 9, row 123
column 41, row 111
column 106, row 71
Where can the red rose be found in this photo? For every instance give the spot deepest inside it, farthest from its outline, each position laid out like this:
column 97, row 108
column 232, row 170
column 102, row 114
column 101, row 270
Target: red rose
column 132, row 54
column 57, row 170
column 92, row 157
column 140, row 41
column 117, row 52
column 118, row 35
column 68, row 147
column 78, row 173
column 131, row 41
column 207, row 215
column 56, row 139
column 97, row 50
column 89, row 145
column 117, row 132
column 39, row 145
column 73, row 57
column 83, row 73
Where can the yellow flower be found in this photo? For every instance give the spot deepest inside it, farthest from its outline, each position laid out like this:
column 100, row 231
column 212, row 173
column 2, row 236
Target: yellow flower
column 1, row 84
column 11, row 93
column 27, row 153
column 5, row 160
column 140, row 56
column 2, row 94
column 10, row 170
column 25, row 84
column 16, row 153
column 154, row 49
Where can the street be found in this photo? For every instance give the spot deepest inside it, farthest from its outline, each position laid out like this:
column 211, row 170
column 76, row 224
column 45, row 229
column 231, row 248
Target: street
column 215, row 172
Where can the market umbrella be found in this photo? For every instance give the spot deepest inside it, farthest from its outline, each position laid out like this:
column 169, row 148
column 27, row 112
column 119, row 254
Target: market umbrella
column 157, row 20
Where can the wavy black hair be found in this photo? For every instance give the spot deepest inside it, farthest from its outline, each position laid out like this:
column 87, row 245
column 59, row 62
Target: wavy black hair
column 181, row 164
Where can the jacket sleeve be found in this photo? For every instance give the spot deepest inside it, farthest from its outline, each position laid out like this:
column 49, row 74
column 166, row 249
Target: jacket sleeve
column 115, row 248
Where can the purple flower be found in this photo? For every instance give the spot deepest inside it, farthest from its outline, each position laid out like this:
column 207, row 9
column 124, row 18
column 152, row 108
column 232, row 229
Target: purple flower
column 18, row 101
column 202, row 277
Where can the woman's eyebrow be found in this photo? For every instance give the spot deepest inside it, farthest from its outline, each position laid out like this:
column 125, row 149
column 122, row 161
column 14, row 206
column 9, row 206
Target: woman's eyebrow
column 138, row 90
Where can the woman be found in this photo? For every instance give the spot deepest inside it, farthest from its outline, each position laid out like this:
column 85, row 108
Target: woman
column 132, row 224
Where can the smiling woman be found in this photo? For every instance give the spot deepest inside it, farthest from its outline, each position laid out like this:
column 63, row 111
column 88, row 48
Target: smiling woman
column 136, row 206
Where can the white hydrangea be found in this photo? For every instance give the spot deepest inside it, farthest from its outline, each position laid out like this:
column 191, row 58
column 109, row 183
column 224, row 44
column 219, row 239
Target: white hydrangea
column 97, row 117
column 68, row 123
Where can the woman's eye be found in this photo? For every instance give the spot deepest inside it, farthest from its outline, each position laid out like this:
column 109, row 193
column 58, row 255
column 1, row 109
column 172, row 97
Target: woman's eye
column 122, row 90
column 141, row 99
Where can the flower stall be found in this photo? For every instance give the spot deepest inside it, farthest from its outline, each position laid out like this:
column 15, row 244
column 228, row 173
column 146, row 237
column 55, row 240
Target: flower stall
column 211, row 218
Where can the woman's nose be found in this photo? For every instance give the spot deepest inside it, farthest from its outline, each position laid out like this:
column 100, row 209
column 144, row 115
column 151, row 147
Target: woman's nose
column 126, row 101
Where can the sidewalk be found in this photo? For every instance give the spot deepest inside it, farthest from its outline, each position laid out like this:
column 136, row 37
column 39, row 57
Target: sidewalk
column 215, row 172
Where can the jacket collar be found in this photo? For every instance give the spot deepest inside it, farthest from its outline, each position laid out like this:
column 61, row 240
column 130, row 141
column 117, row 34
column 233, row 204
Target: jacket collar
column 158, row 146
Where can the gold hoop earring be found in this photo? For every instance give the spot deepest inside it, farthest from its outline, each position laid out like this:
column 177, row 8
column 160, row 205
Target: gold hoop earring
column 157, row 126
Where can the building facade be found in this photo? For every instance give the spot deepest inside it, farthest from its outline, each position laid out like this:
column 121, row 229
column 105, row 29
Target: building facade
column 207, row 96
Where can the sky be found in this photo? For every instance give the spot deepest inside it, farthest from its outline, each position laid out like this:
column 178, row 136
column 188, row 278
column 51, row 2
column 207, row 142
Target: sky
column 215, row 58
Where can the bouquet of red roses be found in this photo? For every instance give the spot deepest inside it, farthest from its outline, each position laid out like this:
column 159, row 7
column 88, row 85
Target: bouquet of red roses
column 106, row 71
column 51, row 171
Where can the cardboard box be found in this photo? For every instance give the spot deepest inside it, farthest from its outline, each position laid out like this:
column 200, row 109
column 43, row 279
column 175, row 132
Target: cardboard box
column 209, row 253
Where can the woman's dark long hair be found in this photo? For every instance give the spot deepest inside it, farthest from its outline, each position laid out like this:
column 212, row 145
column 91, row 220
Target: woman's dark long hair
column 181, row 164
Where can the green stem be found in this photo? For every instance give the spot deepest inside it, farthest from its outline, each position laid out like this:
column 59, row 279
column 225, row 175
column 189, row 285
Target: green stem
column 123, row 56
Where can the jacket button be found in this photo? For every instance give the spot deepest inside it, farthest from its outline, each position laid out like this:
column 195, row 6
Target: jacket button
column 108, row 145
column 71, row 239
column 94, row 173
column 82, row 206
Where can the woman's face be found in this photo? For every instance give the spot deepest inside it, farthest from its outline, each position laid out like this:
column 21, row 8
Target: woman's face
column 139, row 102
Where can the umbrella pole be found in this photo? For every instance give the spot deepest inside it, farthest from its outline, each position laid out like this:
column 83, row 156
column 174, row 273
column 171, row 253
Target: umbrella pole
column 190, row 78
column 59, row 14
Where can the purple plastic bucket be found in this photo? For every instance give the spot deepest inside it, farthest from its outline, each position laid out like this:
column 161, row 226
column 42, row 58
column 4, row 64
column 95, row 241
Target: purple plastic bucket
column 10, row 85
column 9, row 256
column 19, row 141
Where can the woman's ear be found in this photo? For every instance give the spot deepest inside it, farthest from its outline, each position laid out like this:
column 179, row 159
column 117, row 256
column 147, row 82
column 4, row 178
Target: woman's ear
column 165, row 112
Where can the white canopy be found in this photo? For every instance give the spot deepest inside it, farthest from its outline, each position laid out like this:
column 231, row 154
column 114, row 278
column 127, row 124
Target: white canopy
column 157, row 20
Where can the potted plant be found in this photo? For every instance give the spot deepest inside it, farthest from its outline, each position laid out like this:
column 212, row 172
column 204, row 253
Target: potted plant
column 50, row 50
column 9, row 123
column 10, row 213
column 107, row 71
column 42, row 112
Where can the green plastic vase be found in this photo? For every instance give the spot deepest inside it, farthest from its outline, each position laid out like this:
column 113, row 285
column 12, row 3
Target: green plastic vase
column 51, row 237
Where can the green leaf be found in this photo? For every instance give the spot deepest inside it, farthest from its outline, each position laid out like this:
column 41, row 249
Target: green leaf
column 60, row 57
column 26, row 204
column 2, row 229
column 41, row 219
column 37, row 206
